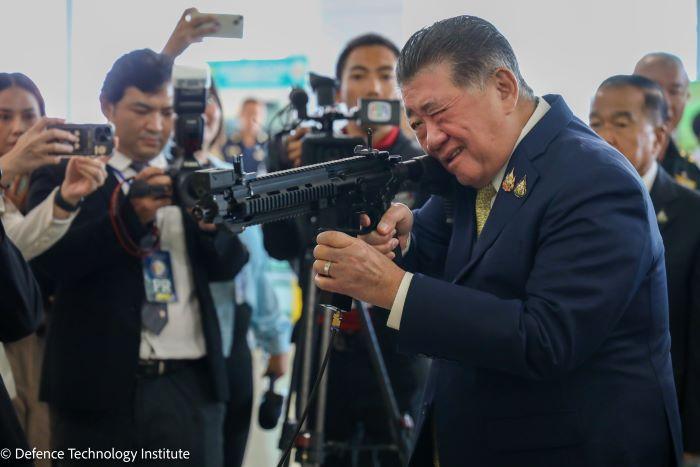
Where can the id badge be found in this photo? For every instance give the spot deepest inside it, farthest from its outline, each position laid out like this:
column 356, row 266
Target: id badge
column 158, row 278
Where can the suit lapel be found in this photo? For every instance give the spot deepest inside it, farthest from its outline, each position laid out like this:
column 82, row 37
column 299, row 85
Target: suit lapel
column 463, row 231
column 507, row 204
column 664, row 194
column 504, row 208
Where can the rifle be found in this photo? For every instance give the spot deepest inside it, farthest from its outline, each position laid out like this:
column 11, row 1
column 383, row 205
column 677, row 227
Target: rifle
column 334, row 193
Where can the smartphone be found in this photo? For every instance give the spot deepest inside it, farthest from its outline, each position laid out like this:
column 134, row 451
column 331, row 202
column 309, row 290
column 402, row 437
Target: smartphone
column 93, row 139
column 230, row 26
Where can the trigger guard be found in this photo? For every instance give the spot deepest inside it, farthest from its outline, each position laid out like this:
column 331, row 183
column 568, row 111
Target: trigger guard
column 372, row 226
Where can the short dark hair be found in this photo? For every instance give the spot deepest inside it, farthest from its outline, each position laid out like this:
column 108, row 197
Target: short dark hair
column 473, row 46
column 144, row 69
column 365, row 40
column 655, row 105
column 7, row 80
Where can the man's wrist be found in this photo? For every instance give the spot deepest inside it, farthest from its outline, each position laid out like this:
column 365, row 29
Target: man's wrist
column 392, row 287
column 5, row 176
column 68, row 204
column 396, row 310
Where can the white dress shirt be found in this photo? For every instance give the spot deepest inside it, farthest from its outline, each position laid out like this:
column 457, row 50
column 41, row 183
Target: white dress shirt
column 649, row 177
column 394, row 320
column 182, row 337
column 36, row 232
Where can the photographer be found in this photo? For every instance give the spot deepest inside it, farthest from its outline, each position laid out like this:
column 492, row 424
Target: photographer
column 127, row 368
column 20, row 310
column 26, row 144
column 365, row 69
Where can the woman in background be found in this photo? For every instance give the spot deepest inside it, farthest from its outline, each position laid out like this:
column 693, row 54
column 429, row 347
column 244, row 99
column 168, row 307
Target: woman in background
column 27, row 144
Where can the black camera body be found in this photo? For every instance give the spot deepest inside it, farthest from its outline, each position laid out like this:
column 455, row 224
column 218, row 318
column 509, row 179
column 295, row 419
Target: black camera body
column 94, row 139
column 321, row 145
column 191, row 88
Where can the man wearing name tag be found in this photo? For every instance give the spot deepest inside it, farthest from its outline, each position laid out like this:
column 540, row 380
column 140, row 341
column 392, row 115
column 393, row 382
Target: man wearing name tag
column 133, row 353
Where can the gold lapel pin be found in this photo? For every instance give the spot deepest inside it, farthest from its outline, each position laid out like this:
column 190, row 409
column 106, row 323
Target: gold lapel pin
column 509, row 182
column 521, row 187
column 661, row 217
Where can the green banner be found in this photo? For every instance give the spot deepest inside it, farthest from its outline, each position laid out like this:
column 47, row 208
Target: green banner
column 260, row 74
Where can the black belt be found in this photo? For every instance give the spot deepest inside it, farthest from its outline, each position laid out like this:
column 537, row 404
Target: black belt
column 162, row 367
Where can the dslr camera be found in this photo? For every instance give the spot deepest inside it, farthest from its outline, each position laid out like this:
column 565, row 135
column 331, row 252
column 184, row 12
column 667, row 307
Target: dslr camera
column 191, row 86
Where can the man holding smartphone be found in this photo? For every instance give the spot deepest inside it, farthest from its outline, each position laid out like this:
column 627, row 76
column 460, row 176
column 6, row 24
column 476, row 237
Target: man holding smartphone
column 133, row 355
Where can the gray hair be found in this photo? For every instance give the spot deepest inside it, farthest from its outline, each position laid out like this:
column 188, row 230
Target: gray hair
column 473, row 46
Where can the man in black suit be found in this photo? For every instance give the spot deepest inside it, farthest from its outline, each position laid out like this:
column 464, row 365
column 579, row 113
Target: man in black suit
column 20, row 312
column 133, row 352
column 668, row 72
column 629, row 112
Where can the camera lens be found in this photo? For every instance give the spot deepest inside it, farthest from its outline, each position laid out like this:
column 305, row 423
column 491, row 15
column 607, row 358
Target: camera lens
column 103, row 134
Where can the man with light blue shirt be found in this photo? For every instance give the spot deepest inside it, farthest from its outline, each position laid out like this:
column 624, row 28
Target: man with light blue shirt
column 270, row 303
column 542, row 299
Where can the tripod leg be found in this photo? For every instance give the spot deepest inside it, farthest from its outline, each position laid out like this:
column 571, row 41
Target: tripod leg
column 397, row 427
column 309, row 314
column 318, row 439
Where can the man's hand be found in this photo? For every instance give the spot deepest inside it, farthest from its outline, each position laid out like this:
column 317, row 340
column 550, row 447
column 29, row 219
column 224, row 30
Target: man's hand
column 293, row 144
column 147, row 206
column 188, row 31
column 356, row 269
column 277, row 365
column 393, row 229
column 35, row 148
column 84, row 175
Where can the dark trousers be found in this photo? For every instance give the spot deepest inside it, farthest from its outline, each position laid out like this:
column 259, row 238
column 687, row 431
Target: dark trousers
column 173, row 411
column 239, row 368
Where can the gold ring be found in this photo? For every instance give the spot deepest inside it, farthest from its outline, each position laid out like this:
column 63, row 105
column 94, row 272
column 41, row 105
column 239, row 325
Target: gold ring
column 327, row 269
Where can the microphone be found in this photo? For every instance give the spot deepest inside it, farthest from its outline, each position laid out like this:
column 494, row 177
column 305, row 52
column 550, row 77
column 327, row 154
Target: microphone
column 270, row 407
column 299, row 99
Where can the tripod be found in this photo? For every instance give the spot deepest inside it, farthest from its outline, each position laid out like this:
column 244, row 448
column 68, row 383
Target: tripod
column 311, row 445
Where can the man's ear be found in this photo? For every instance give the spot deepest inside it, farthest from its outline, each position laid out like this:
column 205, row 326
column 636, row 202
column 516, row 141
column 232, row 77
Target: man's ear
column 107, row 108
column 507, row 87
column 661, row 138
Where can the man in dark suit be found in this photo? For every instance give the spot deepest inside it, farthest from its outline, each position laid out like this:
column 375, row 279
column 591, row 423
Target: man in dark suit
column 544, row 302
column 127, row 368
column 20, row 310
column 629, row 112
column 667, row 70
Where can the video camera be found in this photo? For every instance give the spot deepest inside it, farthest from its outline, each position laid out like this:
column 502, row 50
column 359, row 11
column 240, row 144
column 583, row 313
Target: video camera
column 191, row 88
column 321, row 145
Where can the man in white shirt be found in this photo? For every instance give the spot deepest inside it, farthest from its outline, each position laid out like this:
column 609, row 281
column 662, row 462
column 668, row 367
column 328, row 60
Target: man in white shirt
column 630, row 113
column 133, row 355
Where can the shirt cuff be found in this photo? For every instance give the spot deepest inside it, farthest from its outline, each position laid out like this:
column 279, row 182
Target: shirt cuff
column 396, row 312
